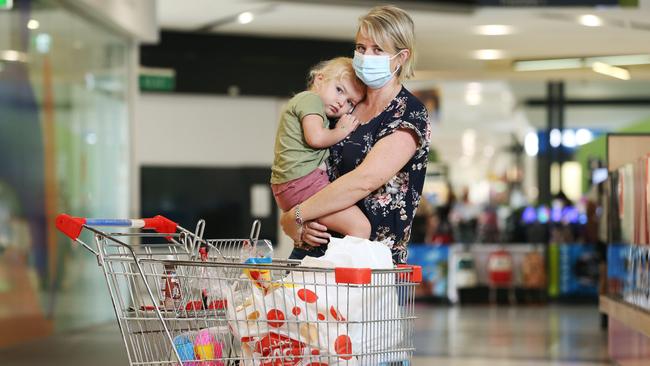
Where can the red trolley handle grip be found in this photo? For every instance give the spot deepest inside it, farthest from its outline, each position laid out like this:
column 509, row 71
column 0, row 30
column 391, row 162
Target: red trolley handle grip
column 71, row 226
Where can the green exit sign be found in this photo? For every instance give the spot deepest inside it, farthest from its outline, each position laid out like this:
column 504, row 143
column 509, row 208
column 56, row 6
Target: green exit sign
column 157, row 79
column 6, row 4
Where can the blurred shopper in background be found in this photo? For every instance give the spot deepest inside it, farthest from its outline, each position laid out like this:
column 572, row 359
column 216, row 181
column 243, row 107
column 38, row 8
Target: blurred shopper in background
column 464, row 216
column 381, row 166
column 442, row 231
column 423, row 223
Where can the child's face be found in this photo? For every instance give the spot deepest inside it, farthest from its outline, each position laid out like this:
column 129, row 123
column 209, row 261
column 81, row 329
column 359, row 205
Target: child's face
column 339, row 96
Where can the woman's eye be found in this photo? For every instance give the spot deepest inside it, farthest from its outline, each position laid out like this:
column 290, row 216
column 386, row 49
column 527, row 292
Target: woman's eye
column 339, row 90
column 360, row 49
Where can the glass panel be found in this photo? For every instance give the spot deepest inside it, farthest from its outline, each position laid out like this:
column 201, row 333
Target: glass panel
column 64, row 143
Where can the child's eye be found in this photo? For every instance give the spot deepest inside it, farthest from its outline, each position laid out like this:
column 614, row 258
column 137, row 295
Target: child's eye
column 360, row 49
column 339, row 90
column 351, row 103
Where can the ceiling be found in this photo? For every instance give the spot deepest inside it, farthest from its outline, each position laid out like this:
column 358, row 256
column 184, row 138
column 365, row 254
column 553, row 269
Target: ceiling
column 445, row 36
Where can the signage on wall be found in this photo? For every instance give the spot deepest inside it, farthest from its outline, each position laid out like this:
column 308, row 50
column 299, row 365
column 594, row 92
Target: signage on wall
column 6, row 4
column 157, row 79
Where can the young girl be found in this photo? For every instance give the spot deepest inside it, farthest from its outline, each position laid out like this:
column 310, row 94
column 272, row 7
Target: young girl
column 304, row 135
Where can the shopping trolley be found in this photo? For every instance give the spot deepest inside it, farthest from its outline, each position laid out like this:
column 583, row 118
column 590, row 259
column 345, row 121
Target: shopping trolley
column 186, row 300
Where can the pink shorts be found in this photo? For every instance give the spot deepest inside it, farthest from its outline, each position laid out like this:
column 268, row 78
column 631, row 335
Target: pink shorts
column 298, row 190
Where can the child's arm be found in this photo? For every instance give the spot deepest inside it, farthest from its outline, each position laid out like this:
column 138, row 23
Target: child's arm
column 320, row 137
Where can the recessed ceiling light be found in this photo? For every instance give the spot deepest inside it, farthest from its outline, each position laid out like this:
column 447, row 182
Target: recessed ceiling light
column 493, row 30
column 33, row 24
column 245, row 17
column 488, row 54
column 590, row 20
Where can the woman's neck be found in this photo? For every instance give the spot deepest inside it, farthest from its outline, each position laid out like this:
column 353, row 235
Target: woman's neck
column 378, row 99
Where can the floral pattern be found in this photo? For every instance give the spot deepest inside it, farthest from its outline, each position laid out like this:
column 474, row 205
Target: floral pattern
column 391, row 208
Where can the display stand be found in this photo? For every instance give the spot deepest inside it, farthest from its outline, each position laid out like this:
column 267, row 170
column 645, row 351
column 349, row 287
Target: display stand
column 629, row 324
column 630, row 315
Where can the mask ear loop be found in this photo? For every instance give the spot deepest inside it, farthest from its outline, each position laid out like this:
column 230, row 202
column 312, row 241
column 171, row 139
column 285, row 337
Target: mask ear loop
column 399, row 66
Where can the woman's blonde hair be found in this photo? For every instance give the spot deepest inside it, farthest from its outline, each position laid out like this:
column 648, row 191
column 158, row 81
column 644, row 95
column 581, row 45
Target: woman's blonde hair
column 338, row 69
column 393, row 30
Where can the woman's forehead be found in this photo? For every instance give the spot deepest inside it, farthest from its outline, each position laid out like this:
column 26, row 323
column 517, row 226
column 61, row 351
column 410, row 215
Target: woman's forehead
column 365, row 38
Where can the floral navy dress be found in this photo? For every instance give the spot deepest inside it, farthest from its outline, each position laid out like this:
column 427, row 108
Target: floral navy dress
column 391, row 208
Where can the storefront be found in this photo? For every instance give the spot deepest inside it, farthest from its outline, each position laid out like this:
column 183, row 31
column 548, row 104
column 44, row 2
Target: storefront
column 66, row 86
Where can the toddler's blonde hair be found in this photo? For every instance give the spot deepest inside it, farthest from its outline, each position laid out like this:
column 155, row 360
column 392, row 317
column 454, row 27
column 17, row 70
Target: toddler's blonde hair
column 338, row 69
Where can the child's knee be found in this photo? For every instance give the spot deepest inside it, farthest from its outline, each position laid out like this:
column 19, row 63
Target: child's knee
column 360, row 229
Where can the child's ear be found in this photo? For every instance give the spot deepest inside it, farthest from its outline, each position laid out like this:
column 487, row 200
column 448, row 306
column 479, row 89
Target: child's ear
column 318, row 80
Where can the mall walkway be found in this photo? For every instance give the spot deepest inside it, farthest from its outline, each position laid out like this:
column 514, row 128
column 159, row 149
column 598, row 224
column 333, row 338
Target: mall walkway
column 445, row 336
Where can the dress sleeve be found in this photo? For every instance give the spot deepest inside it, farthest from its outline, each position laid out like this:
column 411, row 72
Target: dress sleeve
column 410, row 115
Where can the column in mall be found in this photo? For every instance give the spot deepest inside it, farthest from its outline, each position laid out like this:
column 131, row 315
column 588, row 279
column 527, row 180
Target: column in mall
column 555, row 102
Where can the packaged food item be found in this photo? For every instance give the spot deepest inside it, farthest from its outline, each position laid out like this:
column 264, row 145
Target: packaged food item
column 171, row 288
column 258, row 252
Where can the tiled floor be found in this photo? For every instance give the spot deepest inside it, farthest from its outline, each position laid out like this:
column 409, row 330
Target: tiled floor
column 445, row 336
column 544, row 335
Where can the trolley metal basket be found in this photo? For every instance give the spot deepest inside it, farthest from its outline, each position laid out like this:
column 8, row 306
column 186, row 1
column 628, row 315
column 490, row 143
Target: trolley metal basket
column 191, row 301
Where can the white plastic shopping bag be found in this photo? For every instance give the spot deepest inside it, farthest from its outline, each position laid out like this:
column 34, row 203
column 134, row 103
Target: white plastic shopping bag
column 309, row 317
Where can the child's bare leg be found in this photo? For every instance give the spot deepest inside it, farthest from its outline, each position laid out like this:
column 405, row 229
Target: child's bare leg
column 350, row 221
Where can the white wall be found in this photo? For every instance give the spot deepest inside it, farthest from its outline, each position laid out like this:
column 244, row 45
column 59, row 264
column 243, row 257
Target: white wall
column 211, row 131
column 197, row 130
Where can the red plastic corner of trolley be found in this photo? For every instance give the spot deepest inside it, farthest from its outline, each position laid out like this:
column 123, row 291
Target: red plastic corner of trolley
column 353, row 276
column 70, row 226
column 161, row 224
column 415, row 276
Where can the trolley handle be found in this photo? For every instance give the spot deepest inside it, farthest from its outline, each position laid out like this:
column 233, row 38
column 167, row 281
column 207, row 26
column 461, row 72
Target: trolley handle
column 71, row 226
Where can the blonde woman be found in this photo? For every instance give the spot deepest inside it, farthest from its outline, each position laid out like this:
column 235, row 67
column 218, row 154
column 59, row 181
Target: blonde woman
column 380, row 167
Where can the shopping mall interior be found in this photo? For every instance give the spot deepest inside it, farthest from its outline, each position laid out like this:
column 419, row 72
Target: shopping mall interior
column 528, row 246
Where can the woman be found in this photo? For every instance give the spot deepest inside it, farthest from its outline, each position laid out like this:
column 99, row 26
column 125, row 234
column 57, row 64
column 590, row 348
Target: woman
column 381, row 166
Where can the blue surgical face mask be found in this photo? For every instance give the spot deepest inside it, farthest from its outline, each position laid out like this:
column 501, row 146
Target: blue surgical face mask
column 374, row 70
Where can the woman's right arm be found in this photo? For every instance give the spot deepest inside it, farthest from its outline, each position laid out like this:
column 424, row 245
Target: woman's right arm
column 387, row 157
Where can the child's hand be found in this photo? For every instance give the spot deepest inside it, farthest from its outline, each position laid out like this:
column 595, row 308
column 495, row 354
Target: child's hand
column 347, row 123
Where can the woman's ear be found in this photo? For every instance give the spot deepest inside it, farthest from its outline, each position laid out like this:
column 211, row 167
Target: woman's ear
column 404, row 55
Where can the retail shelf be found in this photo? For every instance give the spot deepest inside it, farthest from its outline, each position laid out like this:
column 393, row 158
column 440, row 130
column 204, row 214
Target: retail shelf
column 630, row 315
